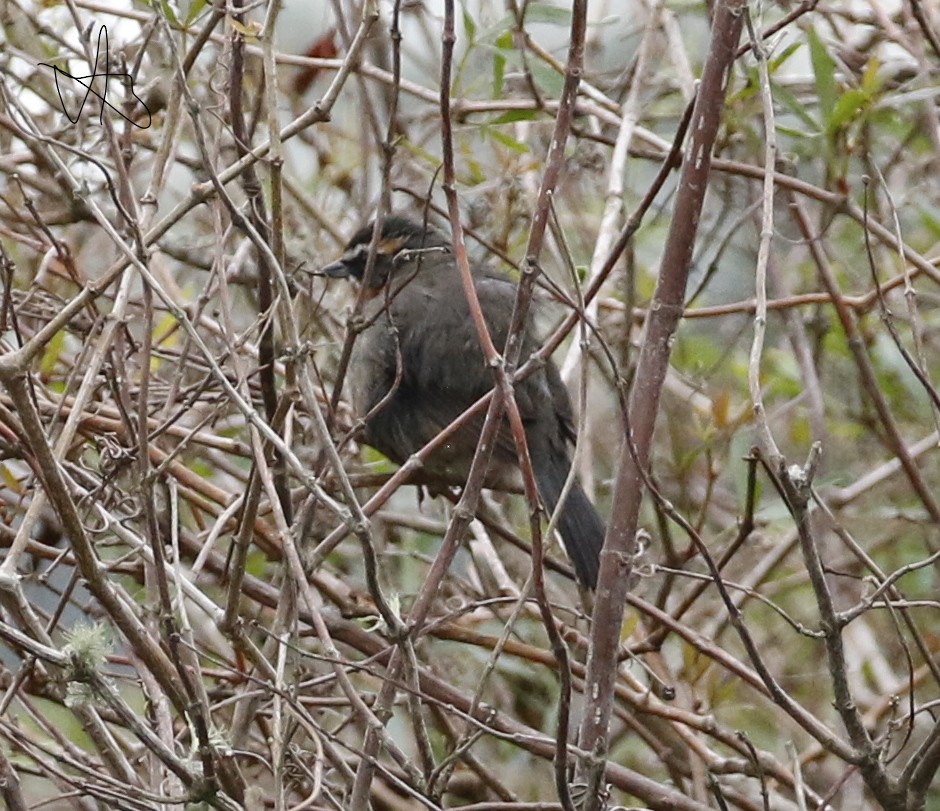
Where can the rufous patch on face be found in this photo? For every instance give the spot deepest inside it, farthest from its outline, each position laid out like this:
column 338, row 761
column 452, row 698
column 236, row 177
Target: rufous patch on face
column 390, row 245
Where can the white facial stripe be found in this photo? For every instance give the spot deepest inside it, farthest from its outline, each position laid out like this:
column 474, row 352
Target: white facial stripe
column 357, row 252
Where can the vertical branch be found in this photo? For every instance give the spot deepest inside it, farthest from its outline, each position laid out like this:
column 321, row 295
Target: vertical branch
column 614, row 198
column 666, row 309
column 769, row 446
column 267, row 259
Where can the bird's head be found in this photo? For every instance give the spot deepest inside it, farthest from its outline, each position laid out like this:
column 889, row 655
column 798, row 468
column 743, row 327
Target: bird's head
column 401, row 241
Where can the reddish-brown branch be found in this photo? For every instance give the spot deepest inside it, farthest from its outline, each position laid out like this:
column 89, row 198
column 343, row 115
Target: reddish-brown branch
column 620, row 546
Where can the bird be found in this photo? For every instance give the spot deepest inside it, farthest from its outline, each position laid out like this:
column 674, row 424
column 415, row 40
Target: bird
column 418, row 365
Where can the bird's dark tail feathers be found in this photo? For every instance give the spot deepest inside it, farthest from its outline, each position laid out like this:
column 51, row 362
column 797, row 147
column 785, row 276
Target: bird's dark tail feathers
column 580, row 526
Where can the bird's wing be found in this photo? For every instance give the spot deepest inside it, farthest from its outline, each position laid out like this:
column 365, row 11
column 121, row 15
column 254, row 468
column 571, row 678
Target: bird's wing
column 542, row 395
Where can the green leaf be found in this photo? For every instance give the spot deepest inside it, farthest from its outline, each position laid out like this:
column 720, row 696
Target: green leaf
column 475, row 174
column 792, row 104
column 170, row 13
column 550, row 81
column 381, row 462
column 872, row 80
column 512, row 116
column 796, row 134
column 748, row 90
column 499, row 73
column 10, row 481
column 419, row 152
column 469, row 26
column 50, row 355
column 930, row 222
column 503, row 43
column 847, row 107
column 740, row 448
column 195, row 8
column 510, row 143
column 547, row 13
column 502, row 28
column 250, row 30
column 824, row 67
column 783, row 56
column 256, row 564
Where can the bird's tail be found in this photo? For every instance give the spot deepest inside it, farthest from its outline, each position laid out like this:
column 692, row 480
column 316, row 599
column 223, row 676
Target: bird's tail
column 580, row 526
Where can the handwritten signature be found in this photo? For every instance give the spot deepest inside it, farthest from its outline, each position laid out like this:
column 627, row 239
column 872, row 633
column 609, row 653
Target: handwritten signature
column 102, row 33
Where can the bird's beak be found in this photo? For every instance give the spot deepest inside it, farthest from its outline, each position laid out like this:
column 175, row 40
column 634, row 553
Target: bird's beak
column 336, row 270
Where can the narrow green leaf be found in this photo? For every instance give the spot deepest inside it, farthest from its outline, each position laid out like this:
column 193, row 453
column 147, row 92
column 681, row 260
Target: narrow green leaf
column 469, row 26
column 510, row 143
column 781, row 58
column 475, row 175
column 792, row 104
column 170, row 13
column 512, row 116
column 824, row 68
column 499, row 73
column 796, row 134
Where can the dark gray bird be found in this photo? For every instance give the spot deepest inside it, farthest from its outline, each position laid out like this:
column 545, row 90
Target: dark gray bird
column 421, row 345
